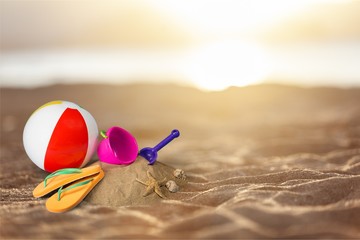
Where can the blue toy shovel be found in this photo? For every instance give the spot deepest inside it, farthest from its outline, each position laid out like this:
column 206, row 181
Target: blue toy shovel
column 150, row 154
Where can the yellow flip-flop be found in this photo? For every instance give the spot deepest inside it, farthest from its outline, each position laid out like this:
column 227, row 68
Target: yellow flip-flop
column 63, row 177
column 69, row 197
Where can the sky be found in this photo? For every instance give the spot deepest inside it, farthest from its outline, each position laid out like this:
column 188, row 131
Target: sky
column 208, row 44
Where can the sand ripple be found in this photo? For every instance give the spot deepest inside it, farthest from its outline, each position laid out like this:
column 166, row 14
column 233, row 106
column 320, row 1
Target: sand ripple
column 262, row 162
column 293, row 203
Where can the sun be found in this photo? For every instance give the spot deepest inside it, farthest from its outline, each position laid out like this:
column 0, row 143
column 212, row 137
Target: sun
column 217, row 66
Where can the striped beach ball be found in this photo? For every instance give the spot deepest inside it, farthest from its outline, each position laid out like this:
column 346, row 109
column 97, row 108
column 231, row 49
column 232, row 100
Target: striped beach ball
column 60, row 134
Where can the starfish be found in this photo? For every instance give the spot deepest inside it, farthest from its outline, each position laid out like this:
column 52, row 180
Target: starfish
column 153, row 185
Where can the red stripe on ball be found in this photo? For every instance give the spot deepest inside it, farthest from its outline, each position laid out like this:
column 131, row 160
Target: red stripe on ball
column 68, row 143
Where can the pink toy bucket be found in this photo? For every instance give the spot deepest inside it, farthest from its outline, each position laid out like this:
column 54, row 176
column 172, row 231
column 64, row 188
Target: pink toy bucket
column 118, row 147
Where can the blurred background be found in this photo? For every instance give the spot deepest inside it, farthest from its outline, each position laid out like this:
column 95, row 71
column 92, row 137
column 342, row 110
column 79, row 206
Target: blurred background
column 265, row 94
column 208, row 44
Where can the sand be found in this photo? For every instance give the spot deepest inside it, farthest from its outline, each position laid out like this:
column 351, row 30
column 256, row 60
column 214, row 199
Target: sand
column 262, row 162
column 119, row 187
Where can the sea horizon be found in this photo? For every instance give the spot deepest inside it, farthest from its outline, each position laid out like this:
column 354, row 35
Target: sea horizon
column 288, row 65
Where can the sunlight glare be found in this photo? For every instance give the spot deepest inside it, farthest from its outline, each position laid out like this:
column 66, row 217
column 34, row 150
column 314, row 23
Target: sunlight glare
column 219, row 65
column 210, row 17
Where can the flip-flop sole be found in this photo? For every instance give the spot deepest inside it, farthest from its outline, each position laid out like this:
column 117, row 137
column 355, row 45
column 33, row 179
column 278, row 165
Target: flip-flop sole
column 72, row 197
column 61, row 180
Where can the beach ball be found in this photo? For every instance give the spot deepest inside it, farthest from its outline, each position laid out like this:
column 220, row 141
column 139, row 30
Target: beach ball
column 59, row 135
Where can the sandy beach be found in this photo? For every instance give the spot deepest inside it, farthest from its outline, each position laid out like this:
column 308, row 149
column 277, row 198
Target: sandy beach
column 266, row 161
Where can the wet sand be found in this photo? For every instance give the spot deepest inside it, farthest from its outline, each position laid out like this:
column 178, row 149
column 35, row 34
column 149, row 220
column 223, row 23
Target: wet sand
column 264, row 161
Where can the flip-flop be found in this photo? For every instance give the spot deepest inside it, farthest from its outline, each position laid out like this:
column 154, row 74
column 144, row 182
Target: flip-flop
column 69, row 197
column 63, row 177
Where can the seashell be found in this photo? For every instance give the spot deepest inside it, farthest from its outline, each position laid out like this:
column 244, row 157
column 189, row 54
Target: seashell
column 179, row 173
column 172, row 186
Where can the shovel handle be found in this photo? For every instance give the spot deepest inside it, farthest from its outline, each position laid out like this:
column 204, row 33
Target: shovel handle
column 174, row 134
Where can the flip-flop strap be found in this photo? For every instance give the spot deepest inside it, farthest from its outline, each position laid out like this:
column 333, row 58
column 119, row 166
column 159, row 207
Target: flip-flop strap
column 103, row 134
column 62, row 171
column 61, row 190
